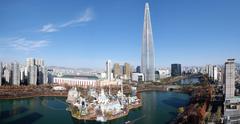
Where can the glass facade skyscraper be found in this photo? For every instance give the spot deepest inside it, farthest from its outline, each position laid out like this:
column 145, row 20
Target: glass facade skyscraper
column 176, row 70
column 147, row 60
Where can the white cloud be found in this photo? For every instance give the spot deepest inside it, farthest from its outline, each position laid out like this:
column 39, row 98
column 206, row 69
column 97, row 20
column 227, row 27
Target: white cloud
column 87, row 16
column 49, row 28
column 27, row 45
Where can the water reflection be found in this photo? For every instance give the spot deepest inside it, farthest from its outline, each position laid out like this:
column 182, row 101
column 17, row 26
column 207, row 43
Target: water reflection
column 188, row 81
column 158, row 107
column 28, row 119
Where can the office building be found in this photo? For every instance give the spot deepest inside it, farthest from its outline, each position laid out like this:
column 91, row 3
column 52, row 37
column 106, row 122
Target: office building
column 176, row 70
column 147, row 57
column 138, row 69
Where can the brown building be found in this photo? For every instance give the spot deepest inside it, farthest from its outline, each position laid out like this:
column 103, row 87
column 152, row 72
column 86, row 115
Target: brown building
column 116, row 70
column 127, row 70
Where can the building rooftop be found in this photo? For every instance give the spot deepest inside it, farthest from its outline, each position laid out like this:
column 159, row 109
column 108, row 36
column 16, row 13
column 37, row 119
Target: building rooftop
column 80, row 77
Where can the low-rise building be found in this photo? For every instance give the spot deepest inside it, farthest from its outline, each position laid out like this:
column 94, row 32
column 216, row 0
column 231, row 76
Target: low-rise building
column 83, row 81
column 137, row 77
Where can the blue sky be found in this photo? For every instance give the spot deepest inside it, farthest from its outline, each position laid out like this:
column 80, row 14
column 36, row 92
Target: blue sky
column 85, row 33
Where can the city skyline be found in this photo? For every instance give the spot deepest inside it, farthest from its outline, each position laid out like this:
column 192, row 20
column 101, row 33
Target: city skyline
column 71, row 33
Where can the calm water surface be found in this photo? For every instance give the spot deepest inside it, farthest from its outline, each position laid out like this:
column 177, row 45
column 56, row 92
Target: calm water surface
column 158, row 108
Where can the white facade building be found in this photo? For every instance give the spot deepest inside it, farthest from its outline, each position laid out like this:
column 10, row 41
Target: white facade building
column 30, row 62
column 75, row 81
column 83, row 82
column 210, row 71
column 215, row 73
column 7, row 74
column 15, row 78
column 39, row 62
column 229, row 78
column 164, row 73
column 137, row 77
column 109, row 70
column 32, row 75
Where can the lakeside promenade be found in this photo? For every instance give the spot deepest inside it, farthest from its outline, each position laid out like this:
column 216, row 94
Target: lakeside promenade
column 18, row 92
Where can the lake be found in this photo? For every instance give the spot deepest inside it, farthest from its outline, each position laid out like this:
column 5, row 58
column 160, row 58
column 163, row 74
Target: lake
column 158, row 108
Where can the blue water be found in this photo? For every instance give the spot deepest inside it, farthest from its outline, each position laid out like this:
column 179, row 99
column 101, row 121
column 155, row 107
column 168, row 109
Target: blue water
column 158, row 108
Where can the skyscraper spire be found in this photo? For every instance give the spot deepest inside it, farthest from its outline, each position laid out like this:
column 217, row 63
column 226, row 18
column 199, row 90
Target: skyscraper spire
column 148, row 60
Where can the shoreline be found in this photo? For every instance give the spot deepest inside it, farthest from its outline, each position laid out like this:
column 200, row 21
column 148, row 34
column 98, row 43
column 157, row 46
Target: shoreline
column 121, row 115
column 64, row 94
column 32, row 96
column 131, row 107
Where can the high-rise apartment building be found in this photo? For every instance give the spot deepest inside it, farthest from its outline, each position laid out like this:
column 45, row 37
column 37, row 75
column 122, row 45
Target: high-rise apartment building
column 30, row 62
column 116, row 70
column 15, row 77
column 109, row 70
column 229, row 78
column 127, row 70
column 32, row 75
column 39, row 62
column 215, row 73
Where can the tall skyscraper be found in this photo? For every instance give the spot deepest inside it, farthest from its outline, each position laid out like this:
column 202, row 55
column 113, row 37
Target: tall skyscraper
column 109, row 70
column 116, row 70
column 147, row 60
column 15, row 74
column 176, row 70
column 229, row 78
